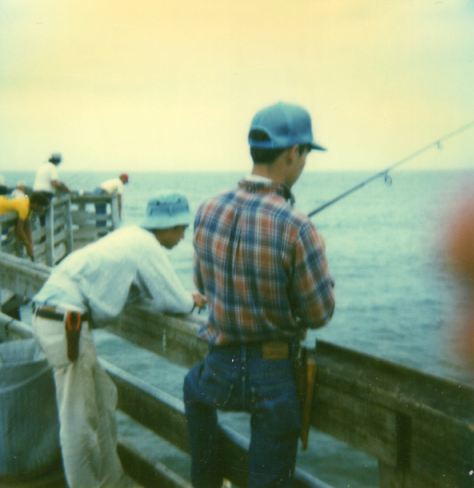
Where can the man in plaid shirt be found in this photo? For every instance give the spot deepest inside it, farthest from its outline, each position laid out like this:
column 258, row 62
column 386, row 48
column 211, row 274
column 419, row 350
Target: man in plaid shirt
column 262, row 266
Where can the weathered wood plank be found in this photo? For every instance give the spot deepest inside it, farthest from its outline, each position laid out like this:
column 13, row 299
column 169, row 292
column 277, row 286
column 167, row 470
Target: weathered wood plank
column 11, row 329
column 89, row 198
column 82, row 217
column 39, row 234
column 5, row 295
column 21, row 276
column 49, row 236
column 59, row 222
column 8, row 219
column 40, row 249
column 173, row 337
column 395, row 477
column 364, row 426
column 10, row 247
column 436, row 448
column 115, row 212
column 149, row 473
column 390, row 384
column 429, row 431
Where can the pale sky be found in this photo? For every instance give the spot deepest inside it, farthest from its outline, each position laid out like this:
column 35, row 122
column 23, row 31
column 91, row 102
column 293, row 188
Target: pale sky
column 154, row 85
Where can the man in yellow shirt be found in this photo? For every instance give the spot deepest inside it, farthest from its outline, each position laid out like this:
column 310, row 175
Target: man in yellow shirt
column 23, row 207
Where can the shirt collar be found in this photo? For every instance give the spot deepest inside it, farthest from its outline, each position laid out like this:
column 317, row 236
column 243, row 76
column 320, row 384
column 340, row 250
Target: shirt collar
column 261, row 184
column 257, row 179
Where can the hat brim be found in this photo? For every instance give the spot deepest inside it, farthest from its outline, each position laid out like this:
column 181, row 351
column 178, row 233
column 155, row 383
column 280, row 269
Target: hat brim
column 317, row 147
column 166, row 221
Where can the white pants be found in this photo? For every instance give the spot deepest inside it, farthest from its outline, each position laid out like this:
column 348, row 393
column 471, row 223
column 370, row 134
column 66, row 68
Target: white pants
column 86, row 398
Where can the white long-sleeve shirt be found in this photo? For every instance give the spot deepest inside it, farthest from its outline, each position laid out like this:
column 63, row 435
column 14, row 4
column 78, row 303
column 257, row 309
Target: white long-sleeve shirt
column 120, row 267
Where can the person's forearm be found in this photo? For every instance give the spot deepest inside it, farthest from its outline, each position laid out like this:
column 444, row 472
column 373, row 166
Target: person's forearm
column 29, row 232
column 58, row 184
column 23, row 238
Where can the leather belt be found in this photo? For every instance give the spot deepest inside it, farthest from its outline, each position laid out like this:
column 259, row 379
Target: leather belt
column 266, row 350
column 55, row 313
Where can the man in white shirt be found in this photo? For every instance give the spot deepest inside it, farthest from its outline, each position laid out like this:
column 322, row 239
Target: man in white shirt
column 114, row 185
column 46, row 179
column 93, row 284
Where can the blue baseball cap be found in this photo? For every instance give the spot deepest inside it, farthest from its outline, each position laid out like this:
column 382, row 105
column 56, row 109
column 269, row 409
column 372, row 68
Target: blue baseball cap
column 169, row 209
column 282, row 125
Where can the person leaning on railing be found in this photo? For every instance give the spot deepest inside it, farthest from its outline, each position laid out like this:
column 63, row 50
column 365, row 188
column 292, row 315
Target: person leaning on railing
column 24, row 206
column 93, row 285
column 109, row 187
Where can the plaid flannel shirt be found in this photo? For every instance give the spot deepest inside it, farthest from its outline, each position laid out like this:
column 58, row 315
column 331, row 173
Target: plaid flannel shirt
column 261, row 265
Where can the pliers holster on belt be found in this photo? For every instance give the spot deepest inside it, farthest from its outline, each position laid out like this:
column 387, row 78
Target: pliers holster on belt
column 73, row 327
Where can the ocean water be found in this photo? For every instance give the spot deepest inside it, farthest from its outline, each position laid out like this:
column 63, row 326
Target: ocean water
column 394, row 298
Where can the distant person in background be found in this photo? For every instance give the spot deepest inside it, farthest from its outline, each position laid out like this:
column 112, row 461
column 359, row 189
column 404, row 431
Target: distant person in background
column 24, row 206
column 109, row 187
column 92, row 285
column 47, row 177
column 3, row 186
column 19, row 191
column 459, row 254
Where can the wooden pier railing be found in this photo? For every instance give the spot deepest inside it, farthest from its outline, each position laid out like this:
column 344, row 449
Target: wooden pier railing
column 70, row 222
column 86, row 220
column 420, row 427
column 52, row 241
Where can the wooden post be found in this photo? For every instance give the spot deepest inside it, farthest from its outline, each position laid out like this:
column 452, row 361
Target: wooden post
column 49, row 228
column 115, row 212
column 68, row 219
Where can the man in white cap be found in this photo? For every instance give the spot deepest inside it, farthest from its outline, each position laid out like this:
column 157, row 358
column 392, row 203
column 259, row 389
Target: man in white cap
column 46, row 179
column 92, row 285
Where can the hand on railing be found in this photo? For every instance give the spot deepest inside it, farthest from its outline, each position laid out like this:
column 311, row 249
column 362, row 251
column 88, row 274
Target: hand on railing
column 199, row 300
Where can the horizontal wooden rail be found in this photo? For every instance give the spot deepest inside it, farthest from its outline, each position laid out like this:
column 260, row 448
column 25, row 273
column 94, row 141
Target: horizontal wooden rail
column 145, row 471
column 11, row 329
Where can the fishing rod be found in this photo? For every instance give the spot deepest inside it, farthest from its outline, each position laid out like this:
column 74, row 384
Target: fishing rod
column 384, row 173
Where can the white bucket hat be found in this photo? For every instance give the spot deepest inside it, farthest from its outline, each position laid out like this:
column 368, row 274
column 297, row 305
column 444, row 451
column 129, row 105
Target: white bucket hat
column 169, row 209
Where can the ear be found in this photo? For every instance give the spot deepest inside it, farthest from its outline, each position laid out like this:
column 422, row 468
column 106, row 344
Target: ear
column 292, row 154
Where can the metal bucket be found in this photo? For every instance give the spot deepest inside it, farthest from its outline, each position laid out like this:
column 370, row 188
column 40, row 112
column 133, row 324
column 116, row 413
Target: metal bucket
column 29, row 425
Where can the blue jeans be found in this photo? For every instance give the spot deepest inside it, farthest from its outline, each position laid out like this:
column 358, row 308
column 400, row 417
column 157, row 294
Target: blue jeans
column 100, row 208
column 236, row 378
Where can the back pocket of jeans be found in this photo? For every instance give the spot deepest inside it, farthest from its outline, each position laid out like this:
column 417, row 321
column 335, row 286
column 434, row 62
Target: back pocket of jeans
column 216, row 389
